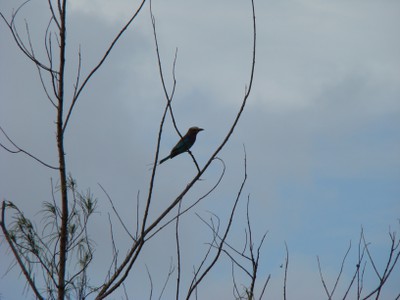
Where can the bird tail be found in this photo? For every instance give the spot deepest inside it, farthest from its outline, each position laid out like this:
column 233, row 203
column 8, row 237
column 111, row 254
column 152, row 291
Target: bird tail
column 164, row 159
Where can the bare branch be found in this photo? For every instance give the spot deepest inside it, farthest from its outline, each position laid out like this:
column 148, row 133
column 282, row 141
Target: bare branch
column 286, row 270
column 20, row 150
column 330, row 294
column 67, row 237
column 370, row 258
column 322, row 278
column 112, row 284
column 265, row 286
column 137, row 214
column 170, row 272
column 195, row 283
column 113, row 246
column 116, row 213
column 18, row 41
column 54, row 15
column 394, row 255
column 50, row 58
column 236, row 292
column 178, row 252
column 78, row 73
column 151, row 282
column 100, row 63
column 195, row 203
column 213, row 156
column 212, row 244
column 341, row 270
column 168, row 96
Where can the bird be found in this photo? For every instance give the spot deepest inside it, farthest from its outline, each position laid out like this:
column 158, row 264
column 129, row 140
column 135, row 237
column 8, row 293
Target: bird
column 185, row 143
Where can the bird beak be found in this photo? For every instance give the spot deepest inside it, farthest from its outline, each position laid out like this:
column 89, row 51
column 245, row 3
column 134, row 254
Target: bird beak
column 200, row 129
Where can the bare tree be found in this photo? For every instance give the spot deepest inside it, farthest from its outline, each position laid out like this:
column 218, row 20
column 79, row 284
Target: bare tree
column 54, row 67
column 365, row 260
column 64, row 236
column 55, row 258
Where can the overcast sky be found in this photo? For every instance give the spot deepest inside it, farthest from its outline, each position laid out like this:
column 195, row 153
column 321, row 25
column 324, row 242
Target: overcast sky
column 321, row 131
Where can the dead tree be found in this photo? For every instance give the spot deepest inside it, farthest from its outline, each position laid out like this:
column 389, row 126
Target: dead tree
column 46, row 251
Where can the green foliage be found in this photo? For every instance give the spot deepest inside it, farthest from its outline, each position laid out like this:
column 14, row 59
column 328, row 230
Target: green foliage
column 37, row 248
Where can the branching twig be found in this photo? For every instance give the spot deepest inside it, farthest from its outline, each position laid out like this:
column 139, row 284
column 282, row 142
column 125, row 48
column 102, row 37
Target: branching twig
column 322, row 278
column 394, row 255
column 18, row 41
column 167, row 95
column 99, row 64
column 196, row 281
column 170, row 272
column 195, row 203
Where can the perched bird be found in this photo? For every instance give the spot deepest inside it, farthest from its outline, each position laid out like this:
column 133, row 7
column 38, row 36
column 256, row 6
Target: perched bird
column 184, row 144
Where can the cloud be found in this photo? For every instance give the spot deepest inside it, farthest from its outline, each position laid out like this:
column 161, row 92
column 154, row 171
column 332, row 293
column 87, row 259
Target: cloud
column 110, row 12
column 320, row 129
column 313, row 46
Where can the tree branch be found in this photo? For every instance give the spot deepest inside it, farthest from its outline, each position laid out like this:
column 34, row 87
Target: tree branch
column 102, row 60
column 20, row 150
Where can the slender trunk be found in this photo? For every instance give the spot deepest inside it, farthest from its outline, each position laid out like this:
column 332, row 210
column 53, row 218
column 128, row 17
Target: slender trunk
column 61, row 157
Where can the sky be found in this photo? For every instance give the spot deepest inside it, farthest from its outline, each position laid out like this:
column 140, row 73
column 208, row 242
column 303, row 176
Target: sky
column 321, row 131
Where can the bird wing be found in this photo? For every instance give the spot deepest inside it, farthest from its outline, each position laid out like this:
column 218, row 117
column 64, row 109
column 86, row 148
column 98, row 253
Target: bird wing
column 180, row 147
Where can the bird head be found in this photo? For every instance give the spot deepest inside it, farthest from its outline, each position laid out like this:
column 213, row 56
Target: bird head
column 194, row 130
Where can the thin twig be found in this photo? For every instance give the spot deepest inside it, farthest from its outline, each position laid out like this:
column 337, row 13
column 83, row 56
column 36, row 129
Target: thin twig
column 322, row 278
column 20, row 150
column 170, row 272
column 357, row 271
column 133, row 253
column 265, row 286
column 286, row 270
column 341, row 270
column 195, row 203
column 178, row 252
column 116, row 212
column 195, row 283
column 100, row 63
column 53, row 14
column 167, row 95
column 18, row 41
column 151, row 282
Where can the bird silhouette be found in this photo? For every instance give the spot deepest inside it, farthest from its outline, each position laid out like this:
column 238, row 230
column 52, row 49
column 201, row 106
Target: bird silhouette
column 185, row 143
